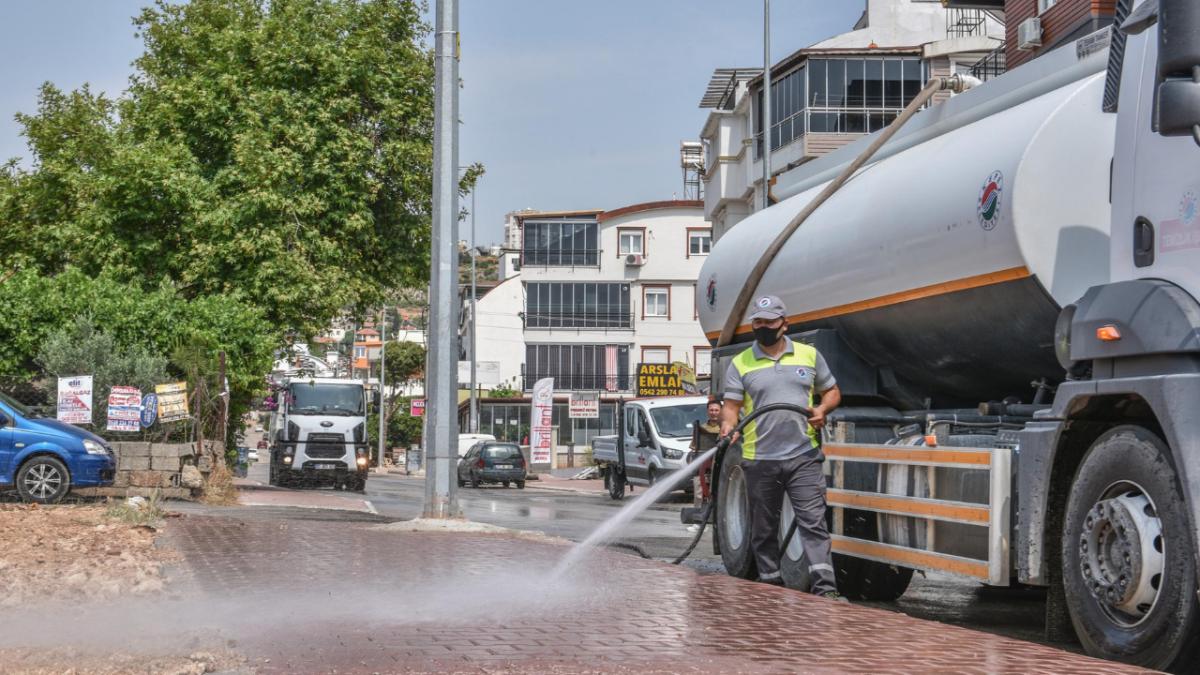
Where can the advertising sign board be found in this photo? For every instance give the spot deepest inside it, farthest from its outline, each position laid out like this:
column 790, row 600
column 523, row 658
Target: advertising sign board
column 416, row 407
column 585, row 405
column 658, row 379
column 124, row 409
column 487, row 373
column 540, row 440
column 149, row 409
column 172, row 401
column 75, row 399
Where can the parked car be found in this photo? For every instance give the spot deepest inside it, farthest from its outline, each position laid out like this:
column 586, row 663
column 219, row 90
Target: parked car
column 258, row 428
column 44, row 458
column 492, row 462
column 263, row 445
column 252, row 456
column 468, row 441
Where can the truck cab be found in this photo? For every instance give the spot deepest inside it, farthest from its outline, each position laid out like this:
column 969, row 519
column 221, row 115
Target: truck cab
column 319, row 435
column 653, row 441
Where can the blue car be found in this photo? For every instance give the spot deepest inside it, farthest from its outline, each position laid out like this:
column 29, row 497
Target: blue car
column 44, row 458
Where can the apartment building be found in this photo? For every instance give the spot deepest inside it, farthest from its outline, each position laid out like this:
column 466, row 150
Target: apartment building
column 832, row 93
column 598, row 292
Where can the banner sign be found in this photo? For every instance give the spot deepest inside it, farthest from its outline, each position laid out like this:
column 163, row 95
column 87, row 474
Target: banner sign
column 149, row 409
column 486, row 373
column 124, row 412
column 585, row 405
column 687, row 378
column 416, row 407
column 75, row 399
column 172, row 401
column 658, row 379
column 541, row 430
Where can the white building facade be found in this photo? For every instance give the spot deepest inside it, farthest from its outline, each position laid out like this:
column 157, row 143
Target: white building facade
column 832, row 93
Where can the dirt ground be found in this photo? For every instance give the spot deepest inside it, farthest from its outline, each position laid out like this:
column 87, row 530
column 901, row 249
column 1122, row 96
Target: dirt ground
column 70, row 661
column 75, row 553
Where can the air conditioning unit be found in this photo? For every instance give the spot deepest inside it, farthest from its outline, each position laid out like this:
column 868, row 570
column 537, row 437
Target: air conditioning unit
column 1029, row 34
column 635, row 260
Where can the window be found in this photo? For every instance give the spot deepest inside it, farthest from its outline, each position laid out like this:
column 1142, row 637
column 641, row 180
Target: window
column 585, row 367
column 839, row 96
column 656, row 301
column 561, row 244
column 630, row 241
column 360, row 352
column 660, row 355
column 699, row 242
column 1044, row 5
column 577, row 305
column 703, row 361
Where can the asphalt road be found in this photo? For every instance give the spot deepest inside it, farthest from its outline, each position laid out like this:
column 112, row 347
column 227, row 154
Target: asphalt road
column 1013, row 612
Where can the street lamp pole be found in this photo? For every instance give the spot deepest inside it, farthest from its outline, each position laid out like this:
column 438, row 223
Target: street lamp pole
column 382, row 376
column 441, row 410
column 766, row 104
column 474, row 319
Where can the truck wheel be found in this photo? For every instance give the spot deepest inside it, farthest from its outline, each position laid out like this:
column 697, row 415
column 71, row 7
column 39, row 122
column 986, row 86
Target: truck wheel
column 1128, row 556
column 860, row 579
column 733, row 519
column 43, row 480
column 615, row 483
column 793, row 564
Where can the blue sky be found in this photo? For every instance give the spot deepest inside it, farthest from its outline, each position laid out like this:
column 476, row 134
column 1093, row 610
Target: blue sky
column 569, row 104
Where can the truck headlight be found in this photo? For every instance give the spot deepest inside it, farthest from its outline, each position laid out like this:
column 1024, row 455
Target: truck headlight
column 289, row 449
column 362, row 461
column 672, row 454
column 94, row 448
column 287, row 459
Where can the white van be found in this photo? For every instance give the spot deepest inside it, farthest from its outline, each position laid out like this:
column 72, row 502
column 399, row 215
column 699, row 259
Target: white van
column 466, row 441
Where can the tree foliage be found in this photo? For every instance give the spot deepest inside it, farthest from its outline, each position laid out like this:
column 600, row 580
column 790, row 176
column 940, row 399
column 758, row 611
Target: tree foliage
column 274, row 151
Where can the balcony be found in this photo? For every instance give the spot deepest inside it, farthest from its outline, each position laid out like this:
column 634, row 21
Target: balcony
column 574, row 257
column 576, row 382
column 605, row 321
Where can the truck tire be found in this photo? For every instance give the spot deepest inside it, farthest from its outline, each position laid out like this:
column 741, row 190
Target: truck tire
column 733, row 518
column 615, row 483
column 860, row 579
column 43, row 480
column 1131, row 595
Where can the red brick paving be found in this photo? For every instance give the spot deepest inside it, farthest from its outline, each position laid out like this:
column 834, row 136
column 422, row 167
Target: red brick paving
column 623, row 615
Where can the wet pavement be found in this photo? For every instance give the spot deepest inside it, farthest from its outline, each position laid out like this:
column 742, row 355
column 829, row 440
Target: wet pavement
column 313, row 596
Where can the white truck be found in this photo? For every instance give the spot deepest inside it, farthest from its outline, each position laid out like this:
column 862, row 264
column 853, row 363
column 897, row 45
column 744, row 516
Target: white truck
column 653, row 441
column 319, row 435
column 1007, row 295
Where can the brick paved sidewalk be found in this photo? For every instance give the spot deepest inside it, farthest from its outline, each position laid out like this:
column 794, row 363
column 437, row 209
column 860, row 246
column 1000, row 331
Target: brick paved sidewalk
column 254, row 493
column 322, row 597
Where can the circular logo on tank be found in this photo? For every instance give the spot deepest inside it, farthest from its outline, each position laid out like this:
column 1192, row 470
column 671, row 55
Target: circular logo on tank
column 710, row 292
column 1187, row 208
column 989, row 207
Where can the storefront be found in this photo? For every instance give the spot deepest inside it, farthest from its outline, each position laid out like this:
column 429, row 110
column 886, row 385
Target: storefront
column 508, row 420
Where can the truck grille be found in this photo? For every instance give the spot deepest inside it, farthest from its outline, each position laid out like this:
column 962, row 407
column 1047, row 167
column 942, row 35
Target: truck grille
column 325, row 446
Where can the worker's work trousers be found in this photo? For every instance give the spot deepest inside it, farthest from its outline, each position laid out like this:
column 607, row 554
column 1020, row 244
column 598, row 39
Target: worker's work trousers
column 803, row 481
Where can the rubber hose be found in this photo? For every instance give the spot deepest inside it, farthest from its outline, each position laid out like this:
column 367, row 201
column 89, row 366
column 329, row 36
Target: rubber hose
column 722, row 446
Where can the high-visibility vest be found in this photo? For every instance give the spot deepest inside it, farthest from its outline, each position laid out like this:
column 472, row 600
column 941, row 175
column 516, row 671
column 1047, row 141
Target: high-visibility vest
column 802, row 355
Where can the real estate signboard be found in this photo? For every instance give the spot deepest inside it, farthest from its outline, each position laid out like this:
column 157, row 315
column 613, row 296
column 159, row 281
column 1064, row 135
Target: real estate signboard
column 659, row 379
column 75, row 399
column 172, row 401
column 585, row 405
column 124, row 409
column 541, row 430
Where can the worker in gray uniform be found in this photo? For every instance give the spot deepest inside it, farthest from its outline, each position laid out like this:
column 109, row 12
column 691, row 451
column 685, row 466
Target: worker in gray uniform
column 781, row 451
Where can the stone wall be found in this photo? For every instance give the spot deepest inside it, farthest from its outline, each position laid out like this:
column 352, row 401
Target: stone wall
column 175, row 470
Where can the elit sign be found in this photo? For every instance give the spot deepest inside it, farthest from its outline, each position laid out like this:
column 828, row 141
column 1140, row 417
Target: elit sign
column 658, row 379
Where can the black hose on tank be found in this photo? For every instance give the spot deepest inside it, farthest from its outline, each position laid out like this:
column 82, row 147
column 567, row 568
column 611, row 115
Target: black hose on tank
column 722, row 445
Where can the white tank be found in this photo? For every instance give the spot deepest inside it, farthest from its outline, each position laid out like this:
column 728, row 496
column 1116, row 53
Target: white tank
column 947, row 262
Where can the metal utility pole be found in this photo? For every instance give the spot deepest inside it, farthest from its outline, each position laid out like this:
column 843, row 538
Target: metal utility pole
column 441, row 408
column 474, row 320
column 766, row 104
column 382, row 375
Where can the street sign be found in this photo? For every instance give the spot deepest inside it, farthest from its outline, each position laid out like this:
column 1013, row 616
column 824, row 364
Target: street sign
column 585, row 405
column 416, row 407
column 149, row 409
column 658, row 379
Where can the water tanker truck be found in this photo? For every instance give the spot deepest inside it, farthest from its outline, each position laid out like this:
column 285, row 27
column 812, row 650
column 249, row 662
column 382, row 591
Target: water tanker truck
column 1007, row 294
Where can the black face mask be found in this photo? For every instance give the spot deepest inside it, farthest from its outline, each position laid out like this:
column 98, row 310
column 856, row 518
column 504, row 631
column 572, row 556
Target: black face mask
column 766, row 336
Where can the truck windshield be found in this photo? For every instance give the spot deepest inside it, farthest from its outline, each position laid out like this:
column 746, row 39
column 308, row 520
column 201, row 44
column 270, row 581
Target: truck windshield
column 327, row 399
column 676, row 421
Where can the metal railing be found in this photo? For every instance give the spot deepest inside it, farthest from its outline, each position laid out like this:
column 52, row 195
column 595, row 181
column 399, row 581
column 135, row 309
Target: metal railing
column 577, row 382
column 963, row 22
column 572, row 319
column 574, row 257
column 990, row 66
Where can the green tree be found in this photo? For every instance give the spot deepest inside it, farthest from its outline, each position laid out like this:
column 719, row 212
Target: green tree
column 504, row 390
column 404, row 361
column 274, row 151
